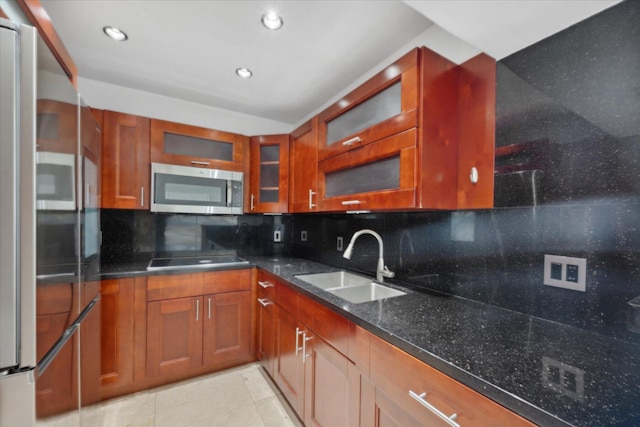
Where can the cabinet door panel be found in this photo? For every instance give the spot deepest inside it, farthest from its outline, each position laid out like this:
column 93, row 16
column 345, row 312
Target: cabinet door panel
column 303, row 168
column 125, row 161
column 289, row 370
column 266, row 332
column 227, row 328
column 186, row 145
column 117, row 332
column 332, row 389
column 380, row 175
column 174, row 336
column 381, row 107
column 268, row 173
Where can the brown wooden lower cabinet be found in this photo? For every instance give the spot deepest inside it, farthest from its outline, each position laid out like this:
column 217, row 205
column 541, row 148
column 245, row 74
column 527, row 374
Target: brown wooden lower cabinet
column 164, row 328
column 266, row 324
column 320, row 383
column 335, row 373
column 189, row 333
column 124, row 305
column 332, row 392
column 410, row 392
column 174, row 336
column 227, row 327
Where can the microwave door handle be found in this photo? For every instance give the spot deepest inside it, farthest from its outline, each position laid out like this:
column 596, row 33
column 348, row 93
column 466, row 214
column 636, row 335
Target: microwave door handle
column 229, row 192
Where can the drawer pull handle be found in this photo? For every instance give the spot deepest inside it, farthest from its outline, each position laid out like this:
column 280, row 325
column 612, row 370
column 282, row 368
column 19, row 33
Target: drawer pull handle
column 421, row 399
column 351, row 141
column 304, row 347
column 298, row 333
column 197, row 310
column 351, row 202
column 209, row 302
column 265, row 284
column 193, row 162
column 253, row 200
column 311, row 194
column 142, row 197
column 265, row 302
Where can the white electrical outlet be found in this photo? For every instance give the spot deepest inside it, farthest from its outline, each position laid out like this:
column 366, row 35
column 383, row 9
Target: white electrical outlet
column 303, row 236
column 339, row 244
column 563, row 378
column 277, row 236
column 565, row 272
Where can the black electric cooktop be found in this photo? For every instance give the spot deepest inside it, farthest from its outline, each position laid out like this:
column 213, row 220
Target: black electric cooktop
column 175, row 263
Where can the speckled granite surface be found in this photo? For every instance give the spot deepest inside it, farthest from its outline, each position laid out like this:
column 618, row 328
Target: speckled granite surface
column 509, row 357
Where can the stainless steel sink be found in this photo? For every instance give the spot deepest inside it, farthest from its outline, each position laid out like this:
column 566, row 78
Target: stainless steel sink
column 351, row 287
column 335, row 279
column 364, row 293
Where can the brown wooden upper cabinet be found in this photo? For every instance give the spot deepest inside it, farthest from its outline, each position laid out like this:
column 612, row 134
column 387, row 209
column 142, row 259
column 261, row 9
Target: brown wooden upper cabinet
column 180, row 144
column 57, row 126
column 268, row 173
column 417, row 135
column 125, row 161
column 303, row 168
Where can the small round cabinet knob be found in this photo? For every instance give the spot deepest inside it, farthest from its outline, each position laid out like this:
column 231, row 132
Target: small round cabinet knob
column 473, row 175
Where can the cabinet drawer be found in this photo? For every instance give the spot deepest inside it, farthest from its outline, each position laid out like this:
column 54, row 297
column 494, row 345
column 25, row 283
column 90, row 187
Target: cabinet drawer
column 226, row 281
column 266, row 287
column 174, row 286
column 288, row 299
column 399, row 374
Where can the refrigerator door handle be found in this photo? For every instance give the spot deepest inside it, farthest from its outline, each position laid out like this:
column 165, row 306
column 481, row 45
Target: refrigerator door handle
column 64, row 338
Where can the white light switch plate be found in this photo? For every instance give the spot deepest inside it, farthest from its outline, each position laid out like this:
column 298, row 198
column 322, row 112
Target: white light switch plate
column 581, row 263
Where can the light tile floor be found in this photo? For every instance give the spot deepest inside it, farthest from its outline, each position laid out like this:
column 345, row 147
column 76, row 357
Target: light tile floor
column 238, row 397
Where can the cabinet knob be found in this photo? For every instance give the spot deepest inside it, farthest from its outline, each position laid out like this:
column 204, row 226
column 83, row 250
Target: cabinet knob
column 473, row 175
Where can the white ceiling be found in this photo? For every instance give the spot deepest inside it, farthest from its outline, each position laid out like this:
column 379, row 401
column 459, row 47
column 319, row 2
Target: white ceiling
column 189, row 49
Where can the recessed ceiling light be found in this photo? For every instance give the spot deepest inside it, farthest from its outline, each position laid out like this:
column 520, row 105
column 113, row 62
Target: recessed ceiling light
column 245, row 73
column 272, row 21
column 115, row 33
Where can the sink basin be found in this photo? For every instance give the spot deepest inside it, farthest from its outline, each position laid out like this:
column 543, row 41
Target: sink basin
column 351, row 287
column 365, row 293
column 335, row 279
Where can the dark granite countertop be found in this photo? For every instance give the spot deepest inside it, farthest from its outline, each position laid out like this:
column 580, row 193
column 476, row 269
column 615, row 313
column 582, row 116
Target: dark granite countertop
column 550, row 373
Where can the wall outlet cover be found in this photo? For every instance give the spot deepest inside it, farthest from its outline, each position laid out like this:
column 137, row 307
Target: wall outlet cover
column 565, row 272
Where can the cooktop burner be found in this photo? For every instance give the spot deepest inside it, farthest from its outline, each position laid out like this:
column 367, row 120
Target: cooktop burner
column 195, row 262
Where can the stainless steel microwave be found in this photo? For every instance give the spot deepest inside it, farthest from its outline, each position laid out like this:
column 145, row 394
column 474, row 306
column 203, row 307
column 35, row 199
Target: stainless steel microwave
column 55, row 181
column 184, row 189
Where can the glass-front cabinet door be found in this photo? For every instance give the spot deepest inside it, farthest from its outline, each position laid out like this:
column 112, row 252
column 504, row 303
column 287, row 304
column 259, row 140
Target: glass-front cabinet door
column 268, row 174
column 383, row 106
column 379, row 176
column 180, row 144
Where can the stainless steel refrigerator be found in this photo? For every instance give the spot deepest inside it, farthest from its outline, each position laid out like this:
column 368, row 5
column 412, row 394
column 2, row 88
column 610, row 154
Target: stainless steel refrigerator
column 49, row 238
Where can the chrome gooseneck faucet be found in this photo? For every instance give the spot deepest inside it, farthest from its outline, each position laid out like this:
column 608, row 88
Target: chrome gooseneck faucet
column 381, row 271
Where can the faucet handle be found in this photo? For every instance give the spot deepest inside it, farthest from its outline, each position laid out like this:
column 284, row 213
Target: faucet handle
column 386, row 273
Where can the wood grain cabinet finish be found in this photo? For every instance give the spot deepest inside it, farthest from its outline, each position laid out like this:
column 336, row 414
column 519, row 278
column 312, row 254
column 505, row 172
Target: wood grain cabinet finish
column 335, row 373
column 57, row 126
column 303, row 168
column 410, row 392
column 449, row 110
column 125, row 161
column 124, row 305
column 311, row 367
column 268, row 173
column 180, row 144
column 191, row 331
column 266, row 319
